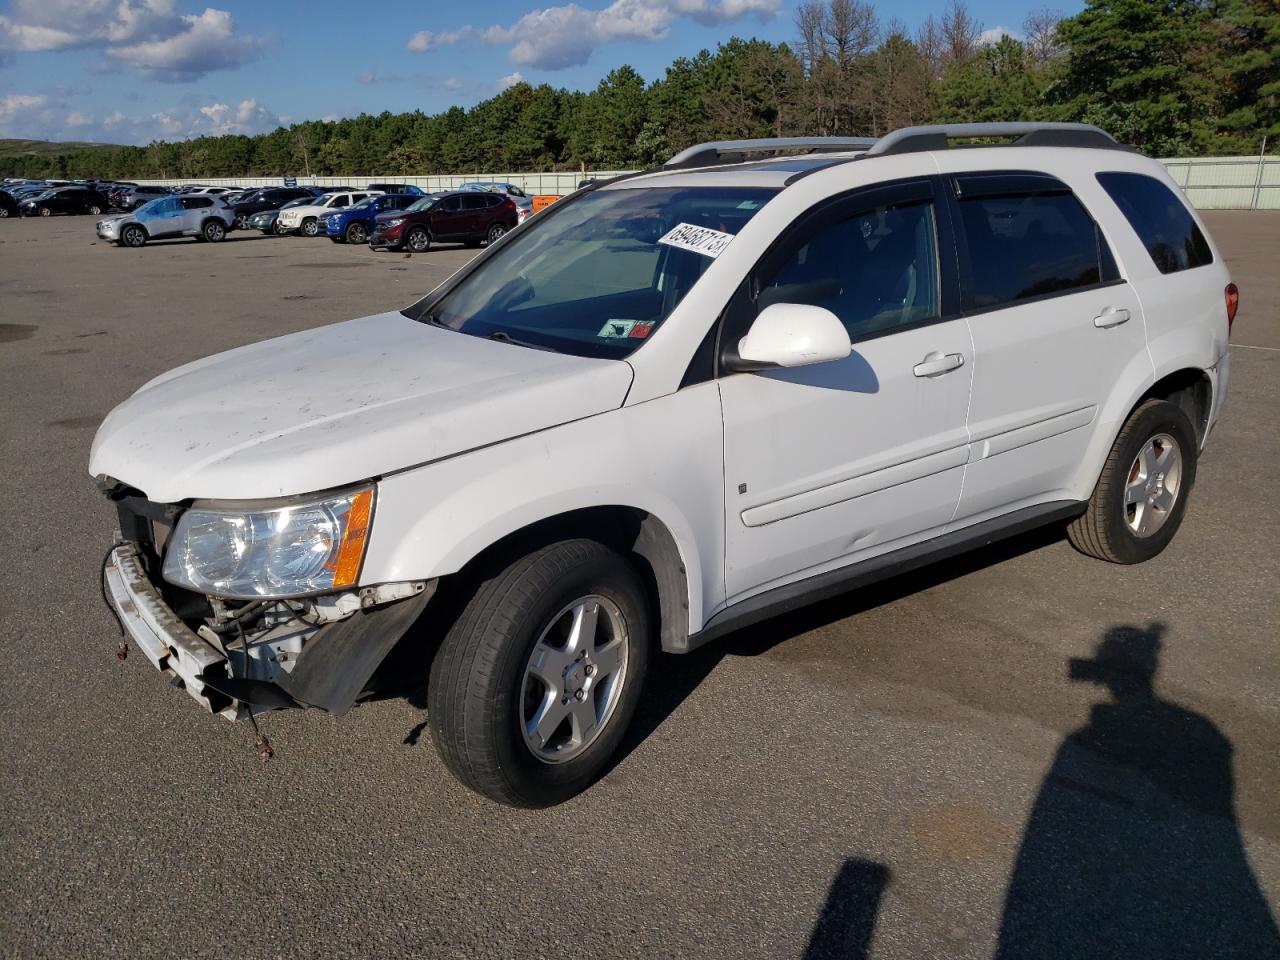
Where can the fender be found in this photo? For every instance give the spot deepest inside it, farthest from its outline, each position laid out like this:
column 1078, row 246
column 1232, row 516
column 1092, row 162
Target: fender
column 664, row 458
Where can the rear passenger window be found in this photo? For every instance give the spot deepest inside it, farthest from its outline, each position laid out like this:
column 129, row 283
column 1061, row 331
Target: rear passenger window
column 1027, row 243
column 1160, row 219
column 474, row 201
column 876, row 270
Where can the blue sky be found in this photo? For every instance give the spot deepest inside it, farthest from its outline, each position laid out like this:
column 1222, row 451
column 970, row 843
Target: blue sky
column 130, row 71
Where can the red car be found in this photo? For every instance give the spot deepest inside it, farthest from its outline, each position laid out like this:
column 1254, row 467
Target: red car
column 471, row 217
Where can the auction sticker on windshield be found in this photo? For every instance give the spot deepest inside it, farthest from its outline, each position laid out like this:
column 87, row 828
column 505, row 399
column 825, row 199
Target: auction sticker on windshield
column 703, row 240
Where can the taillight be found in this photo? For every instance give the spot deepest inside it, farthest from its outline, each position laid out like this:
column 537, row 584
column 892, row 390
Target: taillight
column 511, row 204
column 1233, row 303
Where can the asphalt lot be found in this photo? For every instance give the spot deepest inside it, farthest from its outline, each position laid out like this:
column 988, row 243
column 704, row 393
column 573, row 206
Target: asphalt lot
column 904, row 772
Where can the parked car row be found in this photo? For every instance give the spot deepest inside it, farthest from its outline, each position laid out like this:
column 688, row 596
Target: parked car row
column 388, row 216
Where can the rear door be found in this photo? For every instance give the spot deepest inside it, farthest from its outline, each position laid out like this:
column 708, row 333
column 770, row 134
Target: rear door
column 1053, row 327
column 195, row 209
column 474, row 215
column 831, row 463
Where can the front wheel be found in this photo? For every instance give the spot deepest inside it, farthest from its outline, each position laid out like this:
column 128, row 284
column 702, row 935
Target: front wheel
column 45, row 212
column 537, row 680
column 310, row 227
column 356, row 233
column 1141, row 496
column 242, row 221
column 418, row 240
column 133, row 236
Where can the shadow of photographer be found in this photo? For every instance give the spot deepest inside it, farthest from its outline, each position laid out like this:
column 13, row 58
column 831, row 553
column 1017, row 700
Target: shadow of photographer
column 1132, row 849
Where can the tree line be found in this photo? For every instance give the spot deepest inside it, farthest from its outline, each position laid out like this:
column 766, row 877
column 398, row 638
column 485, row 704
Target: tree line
column 1171, row 77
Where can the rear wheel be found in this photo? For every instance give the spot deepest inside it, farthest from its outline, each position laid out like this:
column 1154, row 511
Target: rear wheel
column 45, row 212
column 133, row 236
column 94, row 209
column 418, row 240
column 310, row 227
column 214, row 230
column 1141, row 496
column 356, row 233
column 242, row 221
column 495, row 233
column 537, row 680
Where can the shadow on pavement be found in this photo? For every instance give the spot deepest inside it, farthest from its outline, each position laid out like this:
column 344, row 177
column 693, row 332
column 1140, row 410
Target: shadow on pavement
column 1132, row 849
column 848, row 919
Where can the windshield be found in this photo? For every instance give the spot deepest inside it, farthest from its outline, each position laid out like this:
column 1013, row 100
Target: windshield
column 363, row 204
column 422, row 204
column 601, row 274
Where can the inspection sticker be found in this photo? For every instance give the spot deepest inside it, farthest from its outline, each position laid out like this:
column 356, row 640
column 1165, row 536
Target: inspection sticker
column 616, row 329
column 703, row 240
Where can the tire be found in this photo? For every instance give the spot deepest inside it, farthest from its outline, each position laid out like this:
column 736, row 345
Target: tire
column 356, row 233
column 133, row 236
column 1141, row 496
column 242, row 222
column 45, row 212
column 95, row 210
column 418, row 240
column 214, row 230
column 4, row 213
column 310, row 227
column 484, row 694
column 278, row 230
column 495, row 233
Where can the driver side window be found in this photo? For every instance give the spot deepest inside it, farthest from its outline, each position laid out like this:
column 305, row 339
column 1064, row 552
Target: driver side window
column 875, row 269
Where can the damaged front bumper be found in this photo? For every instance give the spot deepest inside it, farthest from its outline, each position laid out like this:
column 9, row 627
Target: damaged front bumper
column 291, row 664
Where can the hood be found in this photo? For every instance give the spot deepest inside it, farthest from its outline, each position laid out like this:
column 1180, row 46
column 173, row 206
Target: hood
column 337, row 405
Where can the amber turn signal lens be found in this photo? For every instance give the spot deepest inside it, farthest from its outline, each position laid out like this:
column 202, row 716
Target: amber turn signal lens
column 346, row 568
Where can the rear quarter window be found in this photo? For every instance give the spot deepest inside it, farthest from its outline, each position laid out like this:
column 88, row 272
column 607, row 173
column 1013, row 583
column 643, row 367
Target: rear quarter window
column 1161, row 220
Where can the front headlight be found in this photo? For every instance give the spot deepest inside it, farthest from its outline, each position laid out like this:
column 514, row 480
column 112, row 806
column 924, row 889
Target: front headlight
column 297, row 548
column 393, row 222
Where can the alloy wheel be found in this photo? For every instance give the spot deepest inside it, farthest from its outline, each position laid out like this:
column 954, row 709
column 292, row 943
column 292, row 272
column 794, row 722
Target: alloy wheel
column 1152, row 486
column 573, row 679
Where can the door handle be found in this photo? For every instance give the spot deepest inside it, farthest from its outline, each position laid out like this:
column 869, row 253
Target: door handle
column 1111, row 317
column 937, row 363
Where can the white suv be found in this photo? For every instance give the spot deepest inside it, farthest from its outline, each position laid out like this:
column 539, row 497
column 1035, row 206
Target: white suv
column 309, row 220
column 675, row 403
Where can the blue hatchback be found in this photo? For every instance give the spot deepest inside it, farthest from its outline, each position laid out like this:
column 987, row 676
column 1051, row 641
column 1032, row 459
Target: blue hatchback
column 353, row 224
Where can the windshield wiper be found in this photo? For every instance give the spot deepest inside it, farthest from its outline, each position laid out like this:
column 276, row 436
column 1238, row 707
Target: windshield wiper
column 503, row 337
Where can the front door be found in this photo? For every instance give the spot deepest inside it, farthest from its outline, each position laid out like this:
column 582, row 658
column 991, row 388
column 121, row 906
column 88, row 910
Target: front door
column 830, row 463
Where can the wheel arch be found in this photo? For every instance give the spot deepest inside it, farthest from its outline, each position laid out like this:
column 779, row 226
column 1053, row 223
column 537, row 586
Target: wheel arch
column 1190, row 388
column 640, row 536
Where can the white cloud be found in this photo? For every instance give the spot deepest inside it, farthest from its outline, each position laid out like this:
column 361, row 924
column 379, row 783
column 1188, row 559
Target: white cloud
column 510, row 80
column 453, row 83
column 146, row 35
column 993, row 35
column 555, row 38
column 54, row 116
column 207, row 42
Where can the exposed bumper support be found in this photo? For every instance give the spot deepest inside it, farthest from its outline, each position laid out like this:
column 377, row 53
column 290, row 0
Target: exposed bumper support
column 332, row 670
column 164, row 639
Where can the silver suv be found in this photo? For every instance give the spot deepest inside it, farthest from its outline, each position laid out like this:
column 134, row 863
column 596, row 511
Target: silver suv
column 189, row 215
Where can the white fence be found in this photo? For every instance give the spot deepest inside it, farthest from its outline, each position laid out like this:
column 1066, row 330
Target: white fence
column 1229, row 183
column 551, row 184
column 1211, row 183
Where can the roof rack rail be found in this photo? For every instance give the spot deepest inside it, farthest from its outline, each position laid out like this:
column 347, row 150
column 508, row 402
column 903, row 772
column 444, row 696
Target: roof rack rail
column 938, row 137
column 731, row 151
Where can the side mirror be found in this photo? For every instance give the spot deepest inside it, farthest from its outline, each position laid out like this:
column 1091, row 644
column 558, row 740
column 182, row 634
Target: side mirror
column 794, row 335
